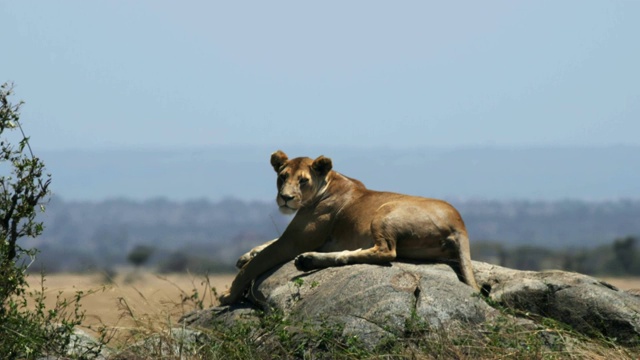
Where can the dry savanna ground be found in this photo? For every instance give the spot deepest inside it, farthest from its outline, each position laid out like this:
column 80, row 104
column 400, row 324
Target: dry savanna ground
column 133, row 300
column 148, row 302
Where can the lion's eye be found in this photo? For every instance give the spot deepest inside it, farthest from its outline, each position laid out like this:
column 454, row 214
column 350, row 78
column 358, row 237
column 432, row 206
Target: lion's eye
column 303, row 181
column 283, row 177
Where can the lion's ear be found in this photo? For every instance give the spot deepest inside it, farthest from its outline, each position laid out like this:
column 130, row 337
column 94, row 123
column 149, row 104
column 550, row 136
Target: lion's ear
column 322, row 165
column 278, row 159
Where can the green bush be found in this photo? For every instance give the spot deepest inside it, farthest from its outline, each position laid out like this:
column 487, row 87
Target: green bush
column 27, row 328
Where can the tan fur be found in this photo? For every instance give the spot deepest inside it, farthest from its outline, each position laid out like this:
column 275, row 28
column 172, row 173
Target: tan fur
column 340, row 222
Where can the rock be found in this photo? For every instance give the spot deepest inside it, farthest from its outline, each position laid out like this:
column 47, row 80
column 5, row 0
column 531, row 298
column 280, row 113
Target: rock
column 225, row 315
column 372, row 302
column 81, row 346
column 380, row 295
column 175, row 343
column 84, row 345
column 586, row 304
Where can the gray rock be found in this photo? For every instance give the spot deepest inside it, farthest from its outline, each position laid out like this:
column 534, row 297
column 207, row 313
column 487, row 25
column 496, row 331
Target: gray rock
column 373, row 302
column 175, row 343
column 586, row 304
column 225, row 315
column 81, row 345
column 384, row 296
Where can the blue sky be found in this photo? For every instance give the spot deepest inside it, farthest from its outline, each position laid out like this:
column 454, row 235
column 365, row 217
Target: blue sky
column 167, row 74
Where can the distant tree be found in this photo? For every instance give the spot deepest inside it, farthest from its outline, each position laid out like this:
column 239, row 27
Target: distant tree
column 490, row 251
column 140, row 254
column 577, row 261
column 177, row 262
column 528, row 257
column 626, row 253
column 111, row 241
column 180, row 261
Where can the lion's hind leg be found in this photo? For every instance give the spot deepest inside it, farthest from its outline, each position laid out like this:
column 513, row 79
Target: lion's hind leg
column 383, row 251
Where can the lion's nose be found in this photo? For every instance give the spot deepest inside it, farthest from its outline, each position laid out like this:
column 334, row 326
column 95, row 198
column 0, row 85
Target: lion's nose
column 286, row 197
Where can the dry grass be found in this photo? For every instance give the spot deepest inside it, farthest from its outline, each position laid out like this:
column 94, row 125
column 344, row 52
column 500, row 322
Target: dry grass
column 133, row 301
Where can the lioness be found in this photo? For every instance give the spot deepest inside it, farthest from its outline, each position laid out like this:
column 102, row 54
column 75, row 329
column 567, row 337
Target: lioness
column 339, row 221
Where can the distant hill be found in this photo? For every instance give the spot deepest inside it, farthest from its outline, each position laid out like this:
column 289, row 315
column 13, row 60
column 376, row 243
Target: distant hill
column 217, row 202
column 101, row 234
column 243, row 172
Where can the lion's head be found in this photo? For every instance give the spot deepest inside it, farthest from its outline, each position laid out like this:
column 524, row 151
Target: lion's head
column 300, row 180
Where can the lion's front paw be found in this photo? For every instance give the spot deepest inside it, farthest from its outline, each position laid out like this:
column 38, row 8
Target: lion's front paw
column 304, row 262
column 243, row 260
column 226, row 298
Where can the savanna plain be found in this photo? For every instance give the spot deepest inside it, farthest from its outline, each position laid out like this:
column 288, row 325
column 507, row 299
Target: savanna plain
column 131, row 301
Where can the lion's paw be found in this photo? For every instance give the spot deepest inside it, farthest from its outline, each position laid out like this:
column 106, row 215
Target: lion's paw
column 304, row 262
column 243, row 260
column 226, row 298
